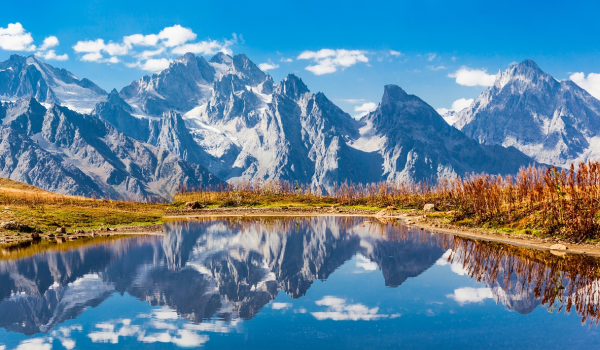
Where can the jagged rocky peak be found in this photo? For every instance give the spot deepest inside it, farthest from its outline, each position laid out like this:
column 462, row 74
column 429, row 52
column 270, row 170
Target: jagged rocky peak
column 393, row 93
column 22, row 77
column 526, row 74
column 553, row 122
column 292, row 86
column 117, row 101
column 221, row 58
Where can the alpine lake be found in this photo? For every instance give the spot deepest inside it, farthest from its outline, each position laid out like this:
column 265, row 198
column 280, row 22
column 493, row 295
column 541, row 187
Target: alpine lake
column 296, row 283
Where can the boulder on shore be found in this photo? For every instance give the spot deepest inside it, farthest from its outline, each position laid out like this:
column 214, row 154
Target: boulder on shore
column 429, row 207
column 193, row 205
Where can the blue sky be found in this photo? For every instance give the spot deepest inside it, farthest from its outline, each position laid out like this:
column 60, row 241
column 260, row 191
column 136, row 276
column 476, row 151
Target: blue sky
column 418, row 45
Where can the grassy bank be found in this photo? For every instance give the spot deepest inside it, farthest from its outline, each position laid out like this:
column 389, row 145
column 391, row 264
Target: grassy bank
column 538, row 201
column 42, row 211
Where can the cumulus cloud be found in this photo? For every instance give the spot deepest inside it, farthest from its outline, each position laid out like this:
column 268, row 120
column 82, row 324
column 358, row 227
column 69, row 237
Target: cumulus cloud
column 49, row 43
column 151, row 52
column 51, row 55
column 591, row 84
column 365, row 264
column 286, row 60
column 280, row 306
column 431, row 56
column 468, row 295
column 35, row 344
column 473, row 77
column 329, row 61
column 461, row 104
column 365, row 109
column 396, row 53
column 160, row 326
column 339, row 310
column 268, row 66
column 15, row 38
column 454, row 267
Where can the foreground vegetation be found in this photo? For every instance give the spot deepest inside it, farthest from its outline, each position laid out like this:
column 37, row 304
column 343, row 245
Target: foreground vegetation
column 42, row 211
column 540, row 201
column 544, row 201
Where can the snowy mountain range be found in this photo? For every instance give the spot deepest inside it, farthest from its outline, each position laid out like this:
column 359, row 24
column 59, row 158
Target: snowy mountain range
column 225, row 119
column 554, row 122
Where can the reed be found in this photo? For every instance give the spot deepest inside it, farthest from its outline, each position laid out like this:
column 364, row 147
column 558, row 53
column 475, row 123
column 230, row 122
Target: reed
column 556, row 202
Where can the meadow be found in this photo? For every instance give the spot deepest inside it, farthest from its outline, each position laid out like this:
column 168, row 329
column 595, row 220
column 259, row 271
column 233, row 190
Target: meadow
column 551, row 202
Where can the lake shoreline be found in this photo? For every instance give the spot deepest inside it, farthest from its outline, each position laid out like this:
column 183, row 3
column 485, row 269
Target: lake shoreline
column 411, row 218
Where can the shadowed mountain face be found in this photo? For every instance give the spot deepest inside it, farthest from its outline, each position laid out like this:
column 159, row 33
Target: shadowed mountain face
column 231, row 270
column 553, row 122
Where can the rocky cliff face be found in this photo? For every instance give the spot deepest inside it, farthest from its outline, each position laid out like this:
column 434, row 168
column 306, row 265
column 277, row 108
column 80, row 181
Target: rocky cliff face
column 229, row 117
column 23, row 77
column 553, row 122
column 87, row 156
column 416, row 143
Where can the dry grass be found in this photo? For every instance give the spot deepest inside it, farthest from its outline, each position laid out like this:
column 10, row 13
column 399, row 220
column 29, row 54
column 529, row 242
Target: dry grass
column 563, row 203
column 45, row 211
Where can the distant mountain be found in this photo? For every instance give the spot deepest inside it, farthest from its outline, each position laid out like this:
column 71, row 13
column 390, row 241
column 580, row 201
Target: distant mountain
column 252, row 128
column 416, row 143
column 61, row 150
column 554, row 122
column 23, row 77
column 228, row 116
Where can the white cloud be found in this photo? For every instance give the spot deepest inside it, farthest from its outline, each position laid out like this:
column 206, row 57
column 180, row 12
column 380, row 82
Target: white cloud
column 339, row 310
column 35, row 344
column 396, row 53
column 155, row 64
column 365, row 264
column 280, row 306
column 49, row 42
column 353, row 100
column 591, row 84
column 15, row 38
column 286, row 60
column 64, row 335
column 461, row 104
column 51, row 55
column 208, row 47
column 437, row 67
column 442, row 111
column 473, row 77
column 268, row 66
column 329, row 61
column 152, row 52
column 454, row 266
column 365, row 108
column 176, row 35
column 468, row 295
column 160, row 326
column 431, row 56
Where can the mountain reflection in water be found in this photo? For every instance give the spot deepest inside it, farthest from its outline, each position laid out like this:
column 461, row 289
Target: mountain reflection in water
column 215, row 274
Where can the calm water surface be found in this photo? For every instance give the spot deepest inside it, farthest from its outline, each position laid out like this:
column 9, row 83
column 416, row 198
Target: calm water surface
column 297, row 283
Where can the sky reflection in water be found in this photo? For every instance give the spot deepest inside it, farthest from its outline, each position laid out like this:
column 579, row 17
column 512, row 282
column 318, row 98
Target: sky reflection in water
column 297, row 283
